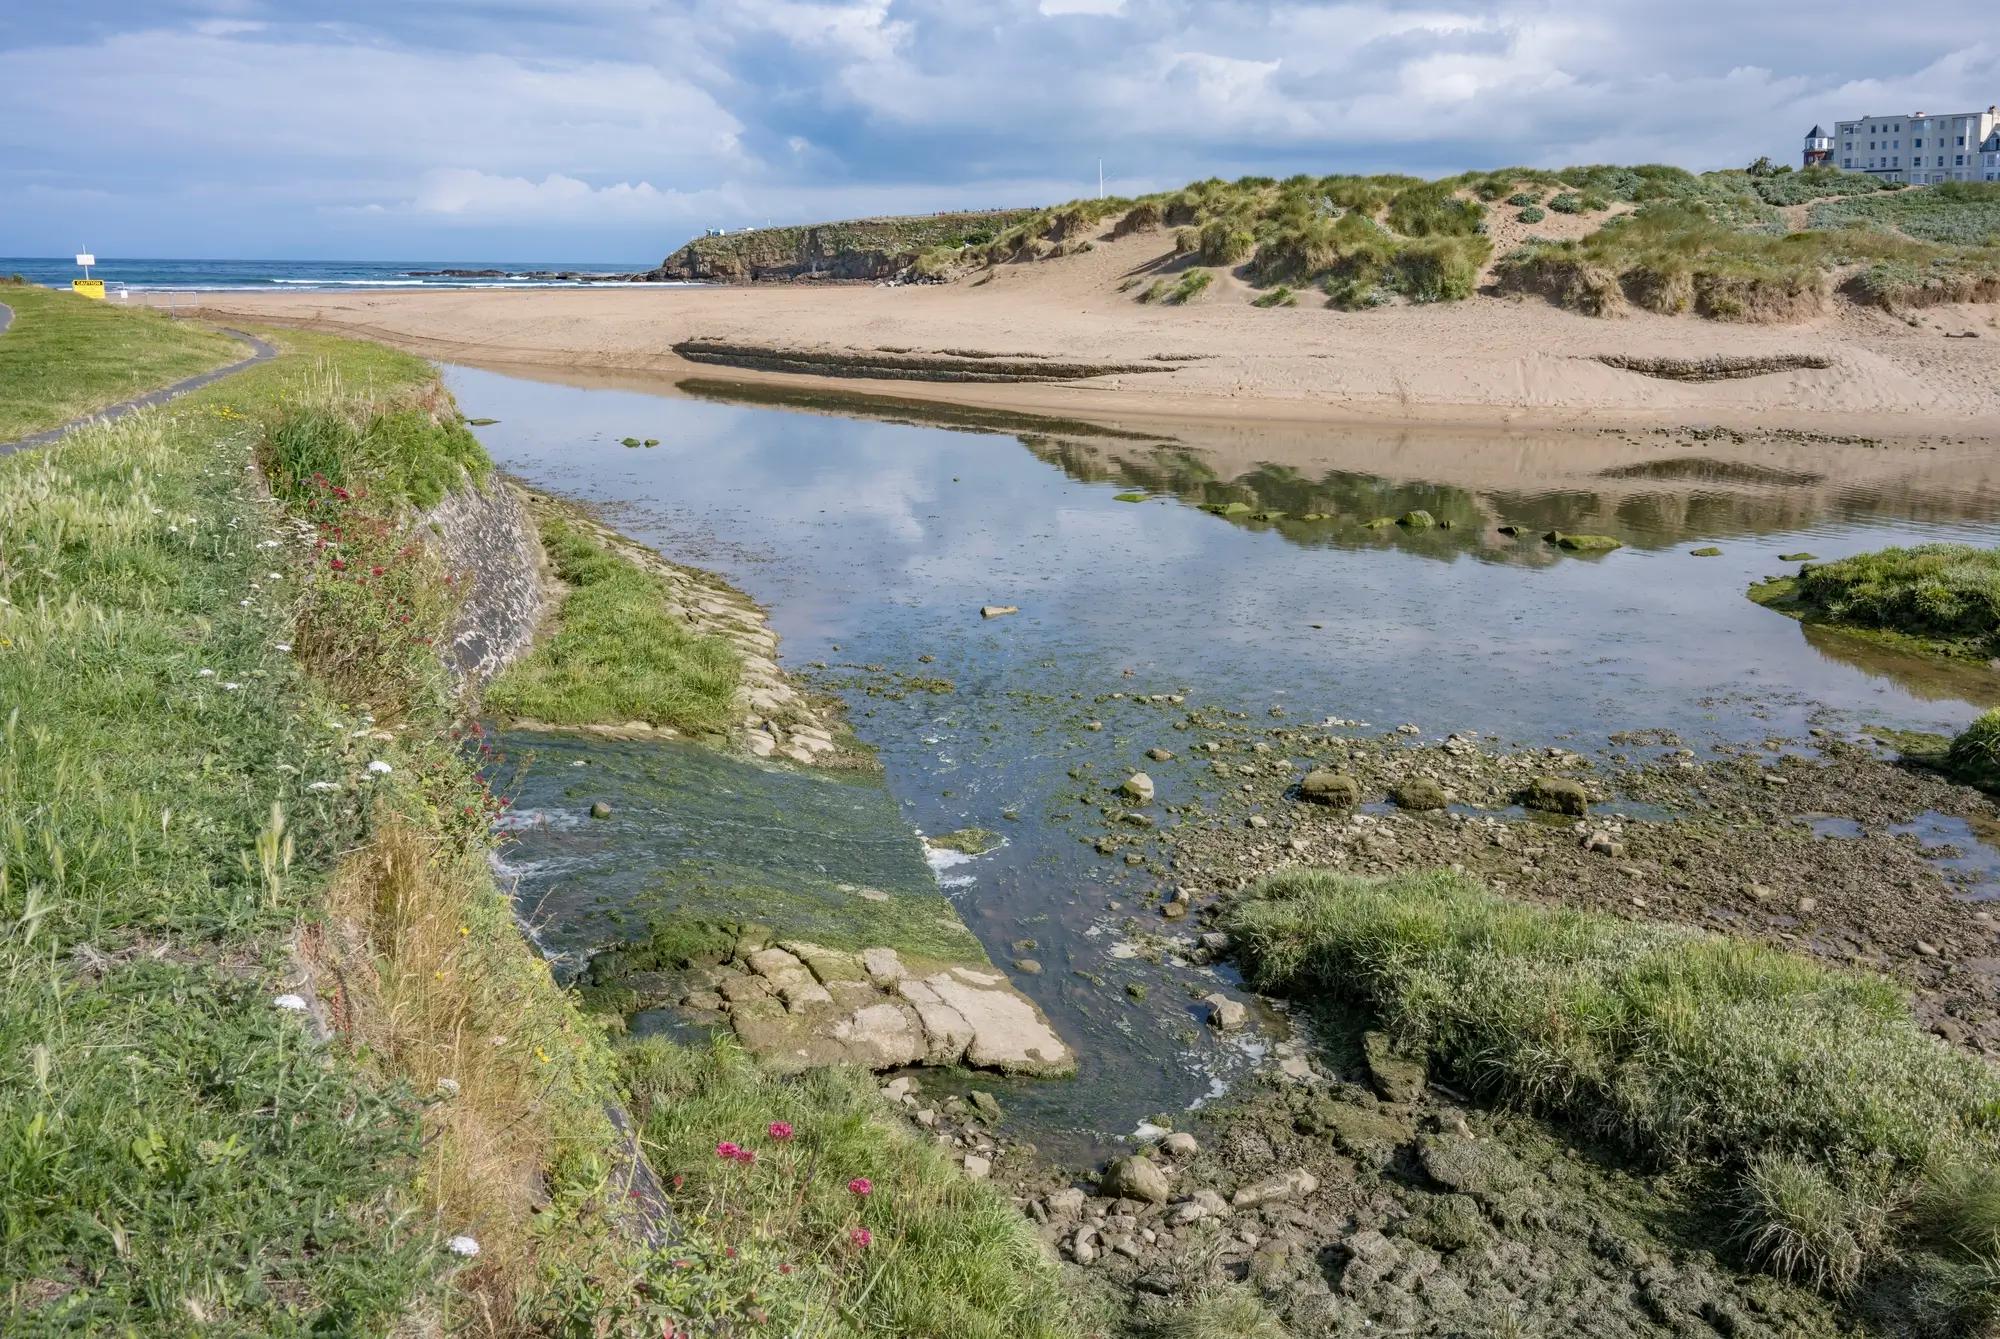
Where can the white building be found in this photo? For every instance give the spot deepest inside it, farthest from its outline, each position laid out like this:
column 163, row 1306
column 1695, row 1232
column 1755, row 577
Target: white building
column 1919, row 149
column 1989, row 157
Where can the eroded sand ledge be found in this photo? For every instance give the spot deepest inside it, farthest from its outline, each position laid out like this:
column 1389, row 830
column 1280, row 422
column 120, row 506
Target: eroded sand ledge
column 1487, row 361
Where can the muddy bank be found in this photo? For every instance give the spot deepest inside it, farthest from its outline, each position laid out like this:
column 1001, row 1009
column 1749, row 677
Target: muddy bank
column 895, row 364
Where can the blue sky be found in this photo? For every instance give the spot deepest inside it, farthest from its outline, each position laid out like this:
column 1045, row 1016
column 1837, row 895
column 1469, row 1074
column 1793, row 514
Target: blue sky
column 609, row 130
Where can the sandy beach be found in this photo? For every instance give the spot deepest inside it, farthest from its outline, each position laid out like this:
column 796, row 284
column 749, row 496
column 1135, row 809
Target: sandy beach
column 1488, row 361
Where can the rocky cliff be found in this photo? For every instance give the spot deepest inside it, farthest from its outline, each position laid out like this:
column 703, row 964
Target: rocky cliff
column 865, row 249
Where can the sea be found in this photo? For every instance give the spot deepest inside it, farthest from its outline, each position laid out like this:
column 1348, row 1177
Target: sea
column 203, row 276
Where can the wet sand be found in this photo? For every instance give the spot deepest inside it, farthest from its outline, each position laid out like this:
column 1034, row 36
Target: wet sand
column 1489, row 362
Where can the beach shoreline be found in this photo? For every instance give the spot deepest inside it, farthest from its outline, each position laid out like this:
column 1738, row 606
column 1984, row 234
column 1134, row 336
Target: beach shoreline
column 1486, row 363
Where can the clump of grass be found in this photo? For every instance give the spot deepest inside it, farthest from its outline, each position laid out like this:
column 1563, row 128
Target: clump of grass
column 1566, row 202
column 1154, row 291
column 1532, row 214
column 1433, row 210
column 618, row 652
column 1230, row 1311
column 1946, row 596
column 1191, row 286
column 65, row 356
column 1963, row 213
column 1974, row 755
column 1281, row 296
column 1224, row 242
column 411, row 448
column 1690, row 1049
column 1524, row 199
column 838, row 1219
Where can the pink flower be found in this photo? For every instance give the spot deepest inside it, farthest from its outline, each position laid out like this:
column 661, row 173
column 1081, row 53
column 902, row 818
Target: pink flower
column 726, row 1149
column 861, row 1186
column 861, row 1237
column 779, row 1130
column 746, row 1156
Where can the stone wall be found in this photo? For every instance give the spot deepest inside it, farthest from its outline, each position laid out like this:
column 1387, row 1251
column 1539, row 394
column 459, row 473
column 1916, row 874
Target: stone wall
column 486, row 539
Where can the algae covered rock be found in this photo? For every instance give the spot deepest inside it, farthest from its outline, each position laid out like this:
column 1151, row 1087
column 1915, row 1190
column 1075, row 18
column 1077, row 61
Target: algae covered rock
column 1416, row 520
column 1337, row 790
column 1582, row 543
column 1395, row 1076
column 1707, row 551
column 1556, row 795
column 1418, row 793
column 1449, row 1223
column 1134, row 1179
column 1138, row 787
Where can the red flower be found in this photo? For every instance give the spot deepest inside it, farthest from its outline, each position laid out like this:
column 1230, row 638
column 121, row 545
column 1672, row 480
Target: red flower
column 726, row 1149
column 376, row 571
column 861, row 1186
column 779, row 1130
column 746, row 1156
column 679, row 1180
column 861, row 1237
column 729, row 1251
column 339, row 564
column 785, row 1268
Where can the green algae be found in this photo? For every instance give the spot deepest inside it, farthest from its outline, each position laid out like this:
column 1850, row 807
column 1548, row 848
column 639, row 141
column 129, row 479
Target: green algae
column 966, row 841
column 1131, row 497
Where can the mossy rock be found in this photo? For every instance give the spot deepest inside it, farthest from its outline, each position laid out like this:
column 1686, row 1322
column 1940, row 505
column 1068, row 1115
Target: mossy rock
column 1379, row 523
column 481, row 422
column 1556, row 795
column 1511, row 531
column 1582, row 543
column 1267, row 516
column 1131, row 497
column 1416, row 520
column 1419, row 793
column 1449, row 1223
column 1229, row 508
column 1395, row 1077
column 1796, row 557
column 629, row 441
column 1708, row 552
column 1336, row 790
column 1369, row 1135
column 966, row 841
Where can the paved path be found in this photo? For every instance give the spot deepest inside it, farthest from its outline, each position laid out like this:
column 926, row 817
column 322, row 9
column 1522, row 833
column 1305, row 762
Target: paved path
column 259, row 352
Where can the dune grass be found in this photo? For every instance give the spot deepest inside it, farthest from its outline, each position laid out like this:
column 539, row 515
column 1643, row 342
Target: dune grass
column 64, row 356
column 618, row 653
column 925, row 1251
column 1974, row 755
column 1965, row 213
column 1858, row 1147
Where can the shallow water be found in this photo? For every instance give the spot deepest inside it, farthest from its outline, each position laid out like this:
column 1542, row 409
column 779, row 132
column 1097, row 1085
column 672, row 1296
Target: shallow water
column 874, row 543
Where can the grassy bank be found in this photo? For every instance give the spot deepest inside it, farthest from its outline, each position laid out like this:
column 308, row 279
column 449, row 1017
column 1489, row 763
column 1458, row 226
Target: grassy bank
column 64, row 356
column 1939, row 599
column 1858, row 1149
column 617, row 651
column 274, row 1055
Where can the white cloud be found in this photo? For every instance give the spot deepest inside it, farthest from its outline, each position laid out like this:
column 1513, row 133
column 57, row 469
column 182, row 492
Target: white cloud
column 1056, row 8
column 482, row 197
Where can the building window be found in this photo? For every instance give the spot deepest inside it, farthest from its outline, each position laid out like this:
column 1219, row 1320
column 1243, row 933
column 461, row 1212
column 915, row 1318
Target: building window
column 1916, row 144
column 1961, row 160
column 1847, row 162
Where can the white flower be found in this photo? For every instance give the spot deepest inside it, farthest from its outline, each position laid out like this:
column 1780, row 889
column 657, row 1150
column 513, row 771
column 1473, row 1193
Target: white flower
column 380, row 768
column 292, row 1003
column 204, row 673
column 283, row 646
column 324, row 785
column 244, row 604
column 578, row 763
column 462, row 1245
column 231, row 687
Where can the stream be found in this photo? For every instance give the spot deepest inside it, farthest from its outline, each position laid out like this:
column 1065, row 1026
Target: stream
column 1167, row 561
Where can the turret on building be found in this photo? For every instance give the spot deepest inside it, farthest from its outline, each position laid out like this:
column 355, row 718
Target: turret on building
column 1819, row 147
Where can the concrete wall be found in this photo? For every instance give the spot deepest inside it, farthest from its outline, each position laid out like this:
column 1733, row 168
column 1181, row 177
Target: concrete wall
column 486, row 539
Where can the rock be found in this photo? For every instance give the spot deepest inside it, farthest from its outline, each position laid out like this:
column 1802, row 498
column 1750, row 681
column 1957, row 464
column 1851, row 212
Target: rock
column 1138, row 787
column 600, row 810
column 1134, row 1179
column 1449, row 1223
column 1396, row 1077
column 1336, row 789
column 1582, row 543
column 1511, row 531
column 1173, row 911
column 1602, row 843
column 1083, row 1246
column 1709, row 551
column 986, row 1104
column 1159, row 755
column 1418, row 793
column 880, row 1036
column 1065, row 1203
column 1294, row 1184
column 1257, row 821
column 1225, row 1014
column 976, row 1015
column 1179, row 1144
column 883, row 965
column 1416, row 520
column 997, row 610
column 1456, row 1162
column 978, row 1168
column 1556, row 795
column 1027, row 967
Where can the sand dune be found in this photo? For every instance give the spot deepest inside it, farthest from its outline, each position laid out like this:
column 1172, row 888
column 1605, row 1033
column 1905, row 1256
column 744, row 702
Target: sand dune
column 1487, row 361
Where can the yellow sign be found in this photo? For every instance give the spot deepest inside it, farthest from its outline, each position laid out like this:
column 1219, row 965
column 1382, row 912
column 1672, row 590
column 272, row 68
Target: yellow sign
column 88, row 288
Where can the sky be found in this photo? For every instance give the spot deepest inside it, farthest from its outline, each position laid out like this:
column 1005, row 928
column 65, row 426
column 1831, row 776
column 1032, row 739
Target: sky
column 609, row 131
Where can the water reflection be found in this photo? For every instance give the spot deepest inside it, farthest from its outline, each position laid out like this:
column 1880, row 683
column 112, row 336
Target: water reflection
column 874, row 539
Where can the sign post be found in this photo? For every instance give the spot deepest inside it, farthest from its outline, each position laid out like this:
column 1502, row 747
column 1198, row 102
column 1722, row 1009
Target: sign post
column 87, row 287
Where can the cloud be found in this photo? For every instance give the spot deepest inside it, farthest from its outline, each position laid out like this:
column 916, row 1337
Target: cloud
column 612, row 123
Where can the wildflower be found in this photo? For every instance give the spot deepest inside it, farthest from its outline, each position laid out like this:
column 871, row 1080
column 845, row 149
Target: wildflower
column 463, row 1245
column 339, row 564
column 861, row 1186
column 727, row 1150
column 376, row 571
column 746, row 1156
column 861, row 1237
column 779, row 1130
column 729, row 1252
column 679, row 1180
column 289, row 1003
column 380, row 768
column 785, row 1268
